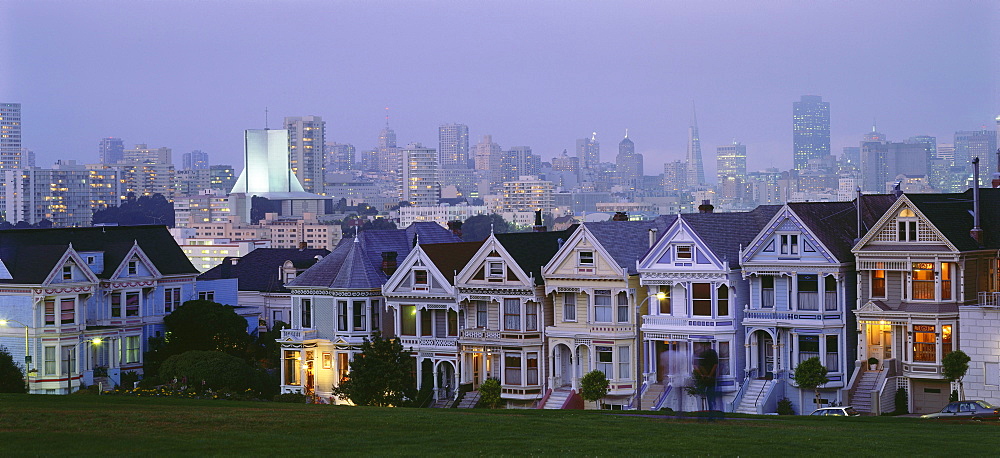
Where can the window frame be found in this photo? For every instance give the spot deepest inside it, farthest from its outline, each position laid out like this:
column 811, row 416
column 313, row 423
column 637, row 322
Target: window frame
column 305, row 313
column 569, row 306
column 599, row 310
column 585, row 258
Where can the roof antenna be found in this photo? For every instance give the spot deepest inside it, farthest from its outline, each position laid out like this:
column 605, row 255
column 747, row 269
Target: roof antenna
column 265, row 119
column 387, row 117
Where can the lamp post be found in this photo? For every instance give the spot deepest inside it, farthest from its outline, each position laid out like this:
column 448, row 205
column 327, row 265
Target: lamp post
column 27, row 353
column 660, row 295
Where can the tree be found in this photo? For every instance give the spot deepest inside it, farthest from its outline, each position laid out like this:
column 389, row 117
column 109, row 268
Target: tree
column 594, row 386
column 154, row 209
column 200, row 325
column 489, row 393
column 266, row 347
column 378, row 223
column 810, row 375
column 703, row 378
column 381, row 375
column 954, row 365
column 11, row 376
column 478, row 227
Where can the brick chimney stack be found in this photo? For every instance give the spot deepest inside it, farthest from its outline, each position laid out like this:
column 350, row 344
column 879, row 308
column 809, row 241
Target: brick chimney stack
column 706, row 206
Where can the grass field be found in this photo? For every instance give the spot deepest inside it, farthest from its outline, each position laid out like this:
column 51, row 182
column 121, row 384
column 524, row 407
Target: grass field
column 111, row 425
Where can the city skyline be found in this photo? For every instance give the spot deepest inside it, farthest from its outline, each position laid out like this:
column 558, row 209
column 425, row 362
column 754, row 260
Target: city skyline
column 187, row 78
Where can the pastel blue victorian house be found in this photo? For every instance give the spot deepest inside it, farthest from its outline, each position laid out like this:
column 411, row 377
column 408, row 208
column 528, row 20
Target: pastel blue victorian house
column 89, row 298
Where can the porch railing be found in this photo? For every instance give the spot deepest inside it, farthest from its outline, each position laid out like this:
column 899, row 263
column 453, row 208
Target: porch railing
column 298, row 334
column 663, row 398
column 742, row 391
column 989, row 299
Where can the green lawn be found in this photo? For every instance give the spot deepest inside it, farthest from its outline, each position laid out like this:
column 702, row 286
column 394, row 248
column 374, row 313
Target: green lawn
column 111, row 425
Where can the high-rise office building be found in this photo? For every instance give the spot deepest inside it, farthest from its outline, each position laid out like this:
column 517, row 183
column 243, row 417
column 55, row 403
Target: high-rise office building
column 695, row 167
column 977, row 143
column 306, row 140
column 387, row 153
column 10, row 136
column 628, row 164
column 195, row 160
column 420, row 186
column 340, row 157
column 111, row 150
column 588, row 150
column 731, row 162
column 810, row 130
column 519, row 161
column 488, row 161
column 675, row 177
column 453, row 144
column 221, row 177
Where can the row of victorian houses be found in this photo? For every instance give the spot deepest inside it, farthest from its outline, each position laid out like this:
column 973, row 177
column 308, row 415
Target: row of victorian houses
column 903, row 279
column 888, row 277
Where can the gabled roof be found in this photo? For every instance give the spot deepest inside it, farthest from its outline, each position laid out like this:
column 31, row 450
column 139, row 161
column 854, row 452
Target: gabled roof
column 725, row 233
column 532, row 250
column 31, row 254
column 356, row 263
column 951, row 214
column 450, row 258
column 836, row 223
column 259, row 270
column 628, row 241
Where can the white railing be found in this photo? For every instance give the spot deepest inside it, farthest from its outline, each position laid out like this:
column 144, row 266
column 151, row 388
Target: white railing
column 655, row 320
column 298, row 334
column 989, row 299
column 480, row 334
column 409, row 341
column 611, row 328
column 886, row 396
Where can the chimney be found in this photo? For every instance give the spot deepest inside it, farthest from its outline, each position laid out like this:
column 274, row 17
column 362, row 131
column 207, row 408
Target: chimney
column 538, row 227
column 897, row 189
column 389, row 262
column 996, row 175
column 976, row 233
column 455, row 227
column 620, row 216
column 303, row 246
column 706, row 206
column 652, row 237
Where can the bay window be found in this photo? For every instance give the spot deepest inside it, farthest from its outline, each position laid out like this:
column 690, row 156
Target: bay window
column 878, row 284
column 924, row 343
column 408, row 320
column 665, row 302
column 808, row 291
column 132, row 303
column 512, row 368
column 605, row 361
column 359, row 316
column 376, row 315
column 602, row 306
column 722, row 301
column 530, row 316
column 50, row 312
column 512, row 314
column 701, row 299
column 922, row 281
column 569, row 306
column 116, row 305
column 829, row 293
column 946, row 340
column 67, row 309
column 767, row 291
column 832, row 361
column 482, row 314
column 724, row 358
column 624, row 367
column 532, row 369
column 622, row 307
column 426, row 322
column 808, row 347
column 291, row 367
column 132, row 349
column 342, row 316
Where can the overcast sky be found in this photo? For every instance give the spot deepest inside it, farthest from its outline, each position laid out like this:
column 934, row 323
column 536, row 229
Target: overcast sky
column 195, row 74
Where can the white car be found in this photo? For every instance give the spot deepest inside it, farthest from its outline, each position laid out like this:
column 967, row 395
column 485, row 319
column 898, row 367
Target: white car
column 842, row 411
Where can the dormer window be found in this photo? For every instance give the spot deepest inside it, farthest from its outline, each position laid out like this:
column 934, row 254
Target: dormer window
column 420, row 278
column 586, row 258
column 133, row 268
column 684, row 252
column 906, row 226
column 494, row 269
column 789, row 244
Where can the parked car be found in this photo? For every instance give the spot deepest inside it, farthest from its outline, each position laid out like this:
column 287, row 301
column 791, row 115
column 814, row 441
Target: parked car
column 842, row 411
column 976, row 410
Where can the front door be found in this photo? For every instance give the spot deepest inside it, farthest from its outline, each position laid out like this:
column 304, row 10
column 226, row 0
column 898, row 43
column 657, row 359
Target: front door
column 766, row 356
column 879, row 342
column 477, row 360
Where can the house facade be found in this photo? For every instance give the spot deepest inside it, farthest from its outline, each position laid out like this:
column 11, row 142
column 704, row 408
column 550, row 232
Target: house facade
column 90, row 298
column 923, row 260
column 695, row 268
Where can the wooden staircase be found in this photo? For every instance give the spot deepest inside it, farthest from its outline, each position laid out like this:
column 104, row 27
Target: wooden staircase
column 861, row 397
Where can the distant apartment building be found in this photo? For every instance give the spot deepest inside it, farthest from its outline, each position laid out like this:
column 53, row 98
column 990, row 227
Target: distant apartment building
column 970, row 144
column 453, row 145
column 282, row 232
column 354, row 188
column 440, row 214
column 340, row 157
column 206, row 253
column 526, row 194
column 195, row 160
column 419, row 183
column 221, row 177
column 67, row 194
column 10, row 141
column 208, row 207
column 111, row 150
column 142, row 153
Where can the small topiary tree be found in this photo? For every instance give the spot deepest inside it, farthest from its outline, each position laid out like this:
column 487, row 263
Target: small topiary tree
column 810, row 375
column 954, row 365
column 785, row 407
column 489, row 393
column 11, row 376
column 594, row 387
column 901, row 402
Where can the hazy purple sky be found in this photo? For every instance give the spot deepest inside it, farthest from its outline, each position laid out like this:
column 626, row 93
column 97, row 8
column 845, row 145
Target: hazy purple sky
column 195, row 74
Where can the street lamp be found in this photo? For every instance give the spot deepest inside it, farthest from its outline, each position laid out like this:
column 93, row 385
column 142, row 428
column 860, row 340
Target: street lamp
column 27, row 353
column 638, row 347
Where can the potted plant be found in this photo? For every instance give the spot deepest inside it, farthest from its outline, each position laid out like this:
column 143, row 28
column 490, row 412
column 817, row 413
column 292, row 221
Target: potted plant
column 872, row 363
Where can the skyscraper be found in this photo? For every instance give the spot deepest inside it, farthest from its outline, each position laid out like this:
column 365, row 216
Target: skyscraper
column 589, row 152
column 810, row 130
column 306, row 140
column 695, row 167
column 731, row 161
column 195, row 160
column 628, row 164
column 10, row 135
column 488, row 161
column 387, row 154
column 340, row 157
column 977, row 143
column 143, row 154
column 453, row 145
column 111, row 150
column 518, row 162
column 420, row 176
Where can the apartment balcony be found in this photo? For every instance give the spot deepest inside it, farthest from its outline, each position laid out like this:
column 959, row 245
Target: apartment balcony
column 619, row 330
column 298, row 335
column 757, row 316
column 657, row 322
column 487, row 336
column 989, row 299
column 429, row 343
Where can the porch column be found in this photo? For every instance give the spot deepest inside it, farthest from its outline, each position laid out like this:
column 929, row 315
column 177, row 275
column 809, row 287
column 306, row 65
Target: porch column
column 434, row 368
column 748, row 350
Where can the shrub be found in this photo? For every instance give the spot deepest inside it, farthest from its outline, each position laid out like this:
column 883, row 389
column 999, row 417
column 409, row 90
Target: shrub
column 785, row 407
column 489, row 393
column 11, row 376
column 128, row 379
column 901, row 402
column 209, row 369
column 593, row 386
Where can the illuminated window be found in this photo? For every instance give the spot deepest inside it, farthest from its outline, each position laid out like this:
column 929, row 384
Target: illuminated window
column 922, row 281
column 923, row 343
column 878, row 283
